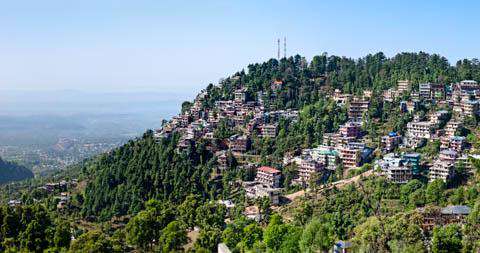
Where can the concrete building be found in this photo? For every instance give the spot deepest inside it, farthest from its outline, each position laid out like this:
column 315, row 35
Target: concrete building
column 438, row 91
column 268, row 176
column 390, row 141
column 328, row 155
column 418, row 131
column 424, row 90
column 403, row 86
column 356, row 109
column 350, row 156
column 396, row 169
column 440, row 170
column 255, row 190
column 239, row 143
column 350, row 129
column 452, row 127
column 308, row 169
column 269, row 130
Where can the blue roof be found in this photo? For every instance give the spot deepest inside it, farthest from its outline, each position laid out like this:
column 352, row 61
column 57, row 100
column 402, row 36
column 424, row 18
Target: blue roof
column 391, row 134
column 343, row 244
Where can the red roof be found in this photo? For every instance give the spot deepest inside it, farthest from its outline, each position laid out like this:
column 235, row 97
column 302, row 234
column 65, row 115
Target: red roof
column 267, row 169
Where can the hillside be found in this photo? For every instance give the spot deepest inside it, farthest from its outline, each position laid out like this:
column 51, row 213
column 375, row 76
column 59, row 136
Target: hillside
column 288, row 155
column 13, row 172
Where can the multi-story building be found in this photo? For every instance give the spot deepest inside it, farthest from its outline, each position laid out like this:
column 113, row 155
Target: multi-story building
column 438, row 91
column 399, row 174
column 357, row 108
column 424, row 90
column 396, row 169
column 389, row 95
column 240, row 96
column 309, row 168
column 269, row 130
column 341, row 98
column 390, row 141
column 326, row 154
column 456, row 143
column 441, row 170
column 350, row 156
column 437, row 117
column 239, row 143
column 403, row 86
column 255, row 190
column 448, row 156
column 418, row 131
column 452, row 127
column 350, row 129
column 268, row 176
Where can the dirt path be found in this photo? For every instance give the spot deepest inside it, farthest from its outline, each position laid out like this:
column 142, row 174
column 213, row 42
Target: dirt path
column 338, row 184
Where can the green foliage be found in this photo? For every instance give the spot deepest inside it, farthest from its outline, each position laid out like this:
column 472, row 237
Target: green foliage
column 173, row 237
column 447, row 239
column 142, row 169
column 10, row 171
column 434, row 193
column 92, row 241
column 317, row 236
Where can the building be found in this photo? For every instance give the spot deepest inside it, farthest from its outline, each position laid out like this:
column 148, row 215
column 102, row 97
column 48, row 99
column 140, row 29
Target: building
column 452, row 127
column 414, row 160
column 424, row 91
column 396, row 169
column 357, row 108
column 341, row 98
column 389, row 95
column 456, row 143
column 269, row 130
column 438, row 117
column 240, row 96
column 418, row 131
column 327, row 155
column 239, row 143
column 443, row 216
column 403, row 86
column 350, row 156
column 308, row 169
column 441, row 170
column 448, row 156
column 342, row 247
column 259, row 190
column 350, row 129
column 390, row 141
column 268, row 176
column 438, row 91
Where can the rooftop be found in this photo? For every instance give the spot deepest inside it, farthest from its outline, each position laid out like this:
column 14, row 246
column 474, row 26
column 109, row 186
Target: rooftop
column 456, row 210
column 267, row 169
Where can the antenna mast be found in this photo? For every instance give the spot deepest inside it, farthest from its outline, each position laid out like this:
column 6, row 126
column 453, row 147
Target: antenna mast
column 278, row 49
column 285, row 47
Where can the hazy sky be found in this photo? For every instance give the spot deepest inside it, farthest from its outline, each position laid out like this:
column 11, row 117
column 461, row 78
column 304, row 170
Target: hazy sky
column 184, row 45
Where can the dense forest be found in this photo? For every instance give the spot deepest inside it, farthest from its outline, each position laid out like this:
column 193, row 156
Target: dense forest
column 13, row 172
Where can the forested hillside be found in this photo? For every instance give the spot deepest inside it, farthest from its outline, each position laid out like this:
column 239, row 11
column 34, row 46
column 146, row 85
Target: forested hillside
column 142, row 169
column 162, row 192
column 13, row 172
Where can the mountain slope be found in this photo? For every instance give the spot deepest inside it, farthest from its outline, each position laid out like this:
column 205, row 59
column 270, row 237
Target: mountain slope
column 13, row 172
column 122, row 180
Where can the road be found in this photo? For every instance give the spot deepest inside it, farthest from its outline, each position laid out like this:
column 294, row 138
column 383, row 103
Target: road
column 338, row 184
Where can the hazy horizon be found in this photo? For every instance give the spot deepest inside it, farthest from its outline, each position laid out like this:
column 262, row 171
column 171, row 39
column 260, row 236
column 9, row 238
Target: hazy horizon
column 164, row 45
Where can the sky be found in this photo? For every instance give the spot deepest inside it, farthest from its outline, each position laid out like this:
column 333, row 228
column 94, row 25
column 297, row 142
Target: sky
column 181, row 46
